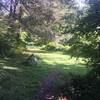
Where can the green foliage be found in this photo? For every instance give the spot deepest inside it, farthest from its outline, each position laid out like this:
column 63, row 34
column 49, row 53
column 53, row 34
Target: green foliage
column 8, row 39
column 86, row 46
column 87, row 36
column 58, row 28
column 5, row 46
column 81, row 88
column 52, row 46
column 39, row 42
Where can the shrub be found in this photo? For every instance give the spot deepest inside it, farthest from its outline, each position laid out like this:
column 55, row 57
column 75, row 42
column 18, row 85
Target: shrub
column 5, row 46
column 52, row 46
column 81, row 88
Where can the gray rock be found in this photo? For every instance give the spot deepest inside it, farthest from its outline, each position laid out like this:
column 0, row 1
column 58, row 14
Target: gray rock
column 31, row 60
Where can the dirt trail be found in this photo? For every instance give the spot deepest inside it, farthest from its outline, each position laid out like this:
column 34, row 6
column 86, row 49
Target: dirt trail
column 46, row 90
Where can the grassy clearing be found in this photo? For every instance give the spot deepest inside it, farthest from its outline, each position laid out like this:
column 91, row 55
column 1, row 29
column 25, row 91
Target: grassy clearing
column 60, row 61
column 19, row 82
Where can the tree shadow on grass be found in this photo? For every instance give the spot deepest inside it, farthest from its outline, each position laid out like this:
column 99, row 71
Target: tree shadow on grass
column 20, row 82
column 76, row 82
column 66, row 68
column 40, row 51
column 65, row 72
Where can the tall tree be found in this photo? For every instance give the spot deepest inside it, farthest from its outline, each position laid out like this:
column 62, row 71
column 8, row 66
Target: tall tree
column 87, row 36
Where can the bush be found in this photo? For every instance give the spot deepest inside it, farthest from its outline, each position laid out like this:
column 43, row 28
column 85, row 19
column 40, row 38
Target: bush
column 5, row 46
column 81, row 88
column 52, row 46
column 9, row 47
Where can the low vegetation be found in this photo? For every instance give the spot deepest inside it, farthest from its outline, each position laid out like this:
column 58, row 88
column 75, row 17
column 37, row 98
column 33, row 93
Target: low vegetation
column 20, row 81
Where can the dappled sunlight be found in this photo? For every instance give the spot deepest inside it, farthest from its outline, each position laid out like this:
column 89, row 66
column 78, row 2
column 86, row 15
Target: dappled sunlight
column 34, row 49
column 76, row 69
column 68, row 68
column 60, row 59
column 49, row 62
column 81, row 3
column 1, row 64
column 55, row 57
column 79, row 69
column 11, row 68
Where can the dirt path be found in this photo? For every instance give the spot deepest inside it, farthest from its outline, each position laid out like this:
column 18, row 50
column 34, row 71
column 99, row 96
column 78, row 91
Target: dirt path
column 46, row 90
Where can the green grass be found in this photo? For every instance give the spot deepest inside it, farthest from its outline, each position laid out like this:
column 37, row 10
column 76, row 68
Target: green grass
column 20, row 82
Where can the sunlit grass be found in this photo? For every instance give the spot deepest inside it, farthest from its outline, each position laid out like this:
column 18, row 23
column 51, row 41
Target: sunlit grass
column 60, row 61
